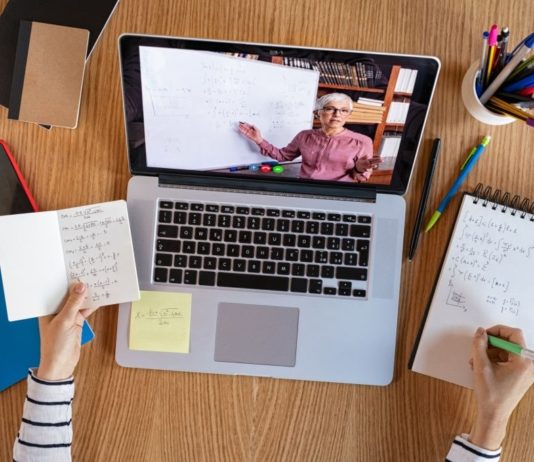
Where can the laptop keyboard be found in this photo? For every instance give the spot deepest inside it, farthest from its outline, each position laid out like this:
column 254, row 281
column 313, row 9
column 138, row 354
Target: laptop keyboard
column 263, row 248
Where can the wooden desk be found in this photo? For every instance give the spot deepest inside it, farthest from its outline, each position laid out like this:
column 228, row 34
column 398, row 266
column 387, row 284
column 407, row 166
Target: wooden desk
column 139, row 415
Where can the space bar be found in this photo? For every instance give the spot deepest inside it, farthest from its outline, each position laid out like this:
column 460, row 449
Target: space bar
column 249, row 281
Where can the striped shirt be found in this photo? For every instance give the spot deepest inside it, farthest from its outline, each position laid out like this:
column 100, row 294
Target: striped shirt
column 45, row 433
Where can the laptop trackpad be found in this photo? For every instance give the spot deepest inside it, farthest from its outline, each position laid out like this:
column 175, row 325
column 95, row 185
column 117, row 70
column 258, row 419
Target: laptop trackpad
column 256, row 334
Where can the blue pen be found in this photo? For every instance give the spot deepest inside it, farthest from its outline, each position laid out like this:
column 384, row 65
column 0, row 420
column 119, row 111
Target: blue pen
column 526, row 82
column 458, row 182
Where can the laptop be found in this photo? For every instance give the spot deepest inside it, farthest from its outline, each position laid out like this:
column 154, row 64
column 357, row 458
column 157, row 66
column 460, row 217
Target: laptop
column 292, row 261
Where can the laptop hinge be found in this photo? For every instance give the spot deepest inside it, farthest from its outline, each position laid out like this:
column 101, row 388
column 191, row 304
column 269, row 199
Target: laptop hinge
column 263, row 186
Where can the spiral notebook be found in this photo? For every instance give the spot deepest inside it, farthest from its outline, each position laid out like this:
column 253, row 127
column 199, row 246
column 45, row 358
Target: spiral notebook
column 485, row 279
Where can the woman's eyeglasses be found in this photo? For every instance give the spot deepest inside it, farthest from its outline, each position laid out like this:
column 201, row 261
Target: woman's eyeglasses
column 333, row 110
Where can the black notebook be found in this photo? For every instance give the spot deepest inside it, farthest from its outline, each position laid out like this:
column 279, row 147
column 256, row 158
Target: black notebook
column 87, row 14
column 485, row 279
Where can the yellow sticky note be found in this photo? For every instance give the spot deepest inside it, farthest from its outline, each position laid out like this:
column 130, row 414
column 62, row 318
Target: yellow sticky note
column 161, row 321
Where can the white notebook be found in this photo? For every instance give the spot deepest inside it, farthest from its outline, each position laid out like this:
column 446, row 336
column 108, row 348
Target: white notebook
column 42, row 253
column 486, row 279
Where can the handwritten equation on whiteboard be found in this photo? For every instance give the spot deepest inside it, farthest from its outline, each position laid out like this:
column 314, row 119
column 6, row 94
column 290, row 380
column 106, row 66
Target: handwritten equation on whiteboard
column 97, row 249
column 490, row 262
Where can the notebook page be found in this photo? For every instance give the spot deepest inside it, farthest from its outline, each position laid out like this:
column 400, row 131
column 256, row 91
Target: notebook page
column 486, row 279
column 31, row 260
column 98, row 251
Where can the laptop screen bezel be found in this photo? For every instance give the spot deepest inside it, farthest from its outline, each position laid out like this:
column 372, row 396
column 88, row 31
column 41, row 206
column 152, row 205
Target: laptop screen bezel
column 137, row 160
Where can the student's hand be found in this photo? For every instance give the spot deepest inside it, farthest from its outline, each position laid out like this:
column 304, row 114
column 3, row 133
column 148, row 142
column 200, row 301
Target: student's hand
column 61, row 336
column 501, row 379
column 251, row 132
column 364, row 164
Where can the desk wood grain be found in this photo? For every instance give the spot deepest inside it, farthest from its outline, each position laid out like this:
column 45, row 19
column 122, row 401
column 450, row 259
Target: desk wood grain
column 139, row 415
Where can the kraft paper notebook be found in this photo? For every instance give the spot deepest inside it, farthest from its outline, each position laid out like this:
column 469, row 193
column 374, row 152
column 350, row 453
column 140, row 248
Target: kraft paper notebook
column 485, row 279
column 48, row 251
column 92, row 15
column 48, row 74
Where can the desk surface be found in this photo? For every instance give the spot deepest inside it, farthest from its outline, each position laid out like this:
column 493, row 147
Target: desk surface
column 140, row 415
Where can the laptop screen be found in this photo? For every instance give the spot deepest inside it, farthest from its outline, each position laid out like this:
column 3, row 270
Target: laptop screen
column 271, row 112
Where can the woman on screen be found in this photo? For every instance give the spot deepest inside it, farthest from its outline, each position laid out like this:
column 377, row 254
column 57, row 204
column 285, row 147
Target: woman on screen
column 329, row 153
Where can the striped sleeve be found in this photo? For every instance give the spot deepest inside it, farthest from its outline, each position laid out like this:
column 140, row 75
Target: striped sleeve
column 464, row 451
column 46, row 430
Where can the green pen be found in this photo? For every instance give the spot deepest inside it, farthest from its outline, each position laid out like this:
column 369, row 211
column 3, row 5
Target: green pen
column 511, row 347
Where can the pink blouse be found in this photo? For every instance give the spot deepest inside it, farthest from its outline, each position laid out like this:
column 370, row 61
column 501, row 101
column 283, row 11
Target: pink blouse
column 325, row 157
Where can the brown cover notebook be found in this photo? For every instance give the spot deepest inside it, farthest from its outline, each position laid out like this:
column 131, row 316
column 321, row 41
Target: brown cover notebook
column 48, row 74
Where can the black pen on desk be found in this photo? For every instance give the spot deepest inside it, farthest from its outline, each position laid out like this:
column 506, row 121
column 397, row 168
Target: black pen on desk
column 436, row 146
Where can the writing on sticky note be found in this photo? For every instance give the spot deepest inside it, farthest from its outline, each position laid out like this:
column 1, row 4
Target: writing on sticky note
column 161, row 321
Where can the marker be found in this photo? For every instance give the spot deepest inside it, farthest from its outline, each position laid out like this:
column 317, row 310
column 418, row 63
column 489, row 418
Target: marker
column 458, row 182
column 510, row 346
column 483, row 61
column 492, row 43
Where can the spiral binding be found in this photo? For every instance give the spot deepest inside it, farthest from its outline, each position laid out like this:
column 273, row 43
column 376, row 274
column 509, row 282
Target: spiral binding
column 497, row 199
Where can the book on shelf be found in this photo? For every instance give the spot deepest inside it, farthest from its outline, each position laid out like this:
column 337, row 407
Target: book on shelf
column 367, row 110
column 398, row 111
column 389, row 146
column 406, row 80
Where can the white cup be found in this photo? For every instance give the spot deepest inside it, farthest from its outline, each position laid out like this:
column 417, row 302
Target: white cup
column 473, row 104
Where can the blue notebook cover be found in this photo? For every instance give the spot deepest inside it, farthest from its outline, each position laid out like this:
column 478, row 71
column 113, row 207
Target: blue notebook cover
column 19, row 345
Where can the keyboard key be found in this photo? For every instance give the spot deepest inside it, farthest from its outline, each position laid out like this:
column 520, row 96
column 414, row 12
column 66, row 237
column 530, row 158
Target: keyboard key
column 299, row 285
column 342, row 229
column 327, row 272
column 364, row 259
column 212, row 208
column 239, row 265
column 292, row 254
column 163, row 259
column 165, row 205
column 262, row 252
column 181, row 206
column 347, row 272
column 364, row 219
column 197, row 207
column 218, row 249
column 243, row 210
column 362, row 245
column 312, row 271
column 254, row 266
column 210, row 263
column 227, row 208
column 225, row 264
column 206, row 278
column 167, row 231
column 349, row 218
column 201, row 234
column 175, row 276
column 195, row 218
column 245, row 237
column 239, row 221
column 315, row 286
column 209, row 219
column 268, row 267
column 190, row 276
column 333, row 243
column 251, row 281
column 347, row 244
column 232, row 250
column 224, row 221
column 186, row 232
column 180, row 218
column 319, row 216
column 277, row 253
column 360, row 231
column 336, row 258
column 267, row 224
column 327, row 228
column 318, row 242
column 189, row 247
column 321, row 256
column 195, row 261
column 160, row 275
column 253, row 223
column 273, row 212
column 297, row 226
column 351, row 259
column 275, row 239
column 288, row 213
column 203, row 248
column 230, row 235
column 180, row 261
column 168, row 245
column 257, row 211
column 306, row 255
column 312, row 227
column 282, row 268
column 247, row 251
column 165, row 216
column 334, row 217
column 303, row 240
column 260, row 237
column 358, row 293
column 304, row 215
column 329, row 290
column 216, row 234
column 345, row 288
column 282, row 225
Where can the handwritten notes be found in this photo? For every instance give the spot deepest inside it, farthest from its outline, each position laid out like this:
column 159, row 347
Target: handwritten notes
column 486, row 279
column 161, row 321
column 41, row 254
column 193, row 101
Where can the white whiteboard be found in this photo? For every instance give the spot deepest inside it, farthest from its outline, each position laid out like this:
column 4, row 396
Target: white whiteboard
column 193, row 101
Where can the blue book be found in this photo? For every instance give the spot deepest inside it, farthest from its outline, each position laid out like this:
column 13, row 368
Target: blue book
column 19, row 345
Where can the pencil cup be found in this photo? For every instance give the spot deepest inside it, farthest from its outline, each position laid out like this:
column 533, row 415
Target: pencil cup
column 473, row 104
